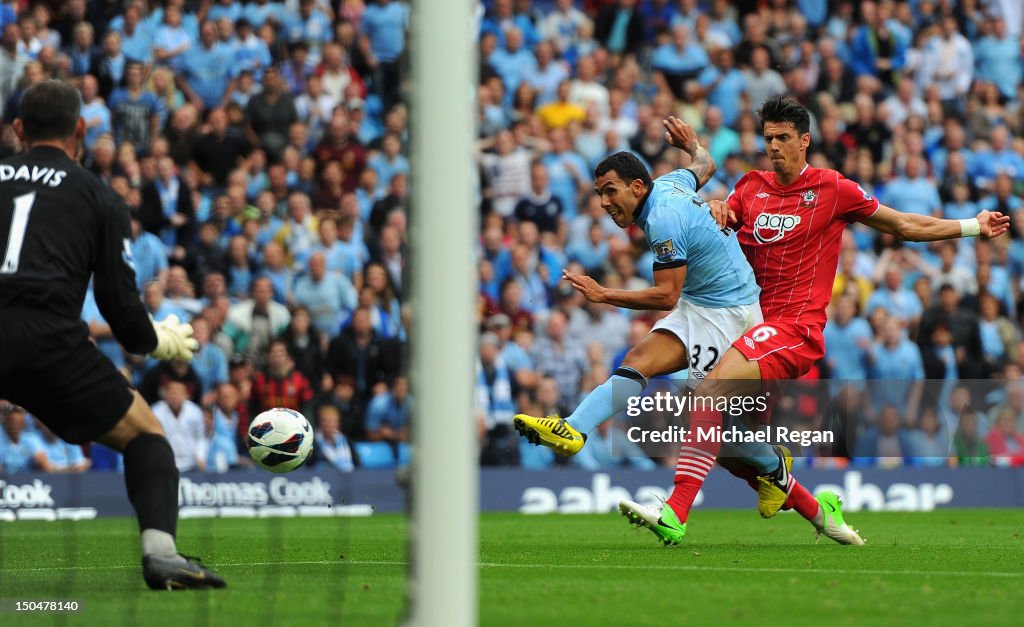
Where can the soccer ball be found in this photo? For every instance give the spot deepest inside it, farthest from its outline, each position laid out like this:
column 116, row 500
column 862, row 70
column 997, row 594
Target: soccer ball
column 280, row 439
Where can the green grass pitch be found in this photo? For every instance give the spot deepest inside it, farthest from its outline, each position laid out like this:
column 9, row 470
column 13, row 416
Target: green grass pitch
column 946, row 567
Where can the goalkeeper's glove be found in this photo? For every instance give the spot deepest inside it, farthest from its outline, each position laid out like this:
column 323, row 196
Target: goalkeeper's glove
column 174, row 340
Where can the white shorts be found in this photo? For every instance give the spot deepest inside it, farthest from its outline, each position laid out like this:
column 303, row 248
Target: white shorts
column 708, row 332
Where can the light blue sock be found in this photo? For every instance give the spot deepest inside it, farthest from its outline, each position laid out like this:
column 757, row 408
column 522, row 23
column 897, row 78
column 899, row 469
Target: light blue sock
column 607, row 399
column 759, row 455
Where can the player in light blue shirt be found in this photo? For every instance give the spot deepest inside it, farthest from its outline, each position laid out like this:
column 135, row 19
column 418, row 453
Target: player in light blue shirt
column 680, row 231
column 702, row 278
column 700, row 274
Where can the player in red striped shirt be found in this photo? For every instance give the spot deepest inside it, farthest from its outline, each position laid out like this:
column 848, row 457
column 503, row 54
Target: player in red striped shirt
column 790, row 224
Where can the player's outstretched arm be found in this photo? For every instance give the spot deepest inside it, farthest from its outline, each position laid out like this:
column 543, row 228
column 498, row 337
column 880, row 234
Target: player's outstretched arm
column 662, row 296
column 918, row 228
column 682, row 136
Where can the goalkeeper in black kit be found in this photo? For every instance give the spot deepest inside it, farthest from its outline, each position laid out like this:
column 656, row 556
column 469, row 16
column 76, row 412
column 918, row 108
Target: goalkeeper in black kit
column 59, row 225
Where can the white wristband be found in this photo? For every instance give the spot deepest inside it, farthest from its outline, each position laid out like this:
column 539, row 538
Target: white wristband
column 970, row 228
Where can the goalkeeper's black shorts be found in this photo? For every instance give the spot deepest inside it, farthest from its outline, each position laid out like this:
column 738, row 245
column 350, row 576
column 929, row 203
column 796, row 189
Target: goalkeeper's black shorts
column 70, row 386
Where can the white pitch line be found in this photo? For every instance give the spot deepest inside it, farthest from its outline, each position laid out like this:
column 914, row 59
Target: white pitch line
column 754, row 569
column 668, row 567
column 228, row 565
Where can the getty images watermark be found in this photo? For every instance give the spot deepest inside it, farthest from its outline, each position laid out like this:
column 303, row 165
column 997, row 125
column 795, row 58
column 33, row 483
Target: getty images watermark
column 906, row 419
column 728, row 435
column 732, row 432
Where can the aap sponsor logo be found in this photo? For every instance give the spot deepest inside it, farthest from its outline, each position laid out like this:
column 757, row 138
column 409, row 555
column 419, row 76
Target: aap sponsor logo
column 858, row 494
column 771, row 227
column 600, row 497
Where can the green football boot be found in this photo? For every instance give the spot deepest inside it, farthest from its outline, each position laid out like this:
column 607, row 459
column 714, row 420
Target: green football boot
column 832, row 523
column 663, row 523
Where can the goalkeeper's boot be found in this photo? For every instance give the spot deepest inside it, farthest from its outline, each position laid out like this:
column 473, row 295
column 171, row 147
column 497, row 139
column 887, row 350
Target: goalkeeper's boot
column 832, row 523
column 178, row 573
column 773, row 488
column 663, row 523
column 552, row 432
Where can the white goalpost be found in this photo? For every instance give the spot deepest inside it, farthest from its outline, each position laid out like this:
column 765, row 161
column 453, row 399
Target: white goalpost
column 443, row 230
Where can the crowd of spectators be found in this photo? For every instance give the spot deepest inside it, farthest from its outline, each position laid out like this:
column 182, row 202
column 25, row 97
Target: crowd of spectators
column 918, row 101
column 262, row 148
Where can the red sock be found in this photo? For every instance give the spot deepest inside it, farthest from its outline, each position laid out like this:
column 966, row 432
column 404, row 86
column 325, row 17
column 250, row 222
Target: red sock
column 802, row 501
column 695, row 461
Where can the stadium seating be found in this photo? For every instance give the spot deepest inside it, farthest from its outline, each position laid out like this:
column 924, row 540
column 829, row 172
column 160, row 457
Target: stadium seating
column 375, row 455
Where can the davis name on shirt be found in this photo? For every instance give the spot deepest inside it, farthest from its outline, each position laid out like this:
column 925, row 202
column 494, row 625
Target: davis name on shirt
column 35, row 174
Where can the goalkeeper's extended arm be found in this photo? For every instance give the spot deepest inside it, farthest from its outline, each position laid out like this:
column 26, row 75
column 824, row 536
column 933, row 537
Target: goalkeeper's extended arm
column 174, row 340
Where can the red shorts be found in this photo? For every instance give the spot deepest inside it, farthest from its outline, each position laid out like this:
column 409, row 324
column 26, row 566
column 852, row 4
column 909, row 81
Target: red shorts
column 782, row 349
